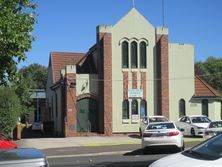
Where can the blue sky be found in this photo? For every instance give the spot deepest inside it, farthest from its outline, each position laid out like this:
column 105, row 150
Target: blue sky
column 70, row 25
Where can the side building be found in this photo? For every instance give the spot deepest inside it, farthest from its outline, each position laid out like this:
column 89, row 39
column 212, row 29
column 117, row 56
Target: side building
column 132, row 71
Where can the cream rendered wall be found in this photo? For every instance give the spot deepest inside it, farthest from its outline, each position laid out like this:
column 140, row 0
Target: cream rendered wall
column 181, row 78
column 214, row 110
column 86, row 83
column 133, row 27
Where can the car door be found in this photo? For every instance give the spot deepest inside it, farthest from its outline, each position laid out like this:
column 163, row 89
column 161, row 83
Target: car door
column 183, row 124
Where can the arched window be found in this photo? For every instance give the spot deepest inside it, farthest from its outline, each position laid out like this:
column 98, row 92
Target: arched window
column 205, row 107
column 143, row 109
column 134, row 55
column 142, row 55
column 125, row 55
column 182, row 108
column 134, row 107
column 125, row 109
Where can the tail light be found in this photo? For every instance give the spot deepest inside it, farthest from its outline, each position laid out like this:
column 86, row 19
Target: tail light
column 173, row 133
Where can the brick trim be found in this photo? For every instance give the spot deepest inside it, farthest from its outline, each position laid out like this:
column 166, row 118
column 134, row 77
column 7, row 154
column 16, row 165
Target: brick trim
column 134, row 80
column 125, row 85
column 143, row 84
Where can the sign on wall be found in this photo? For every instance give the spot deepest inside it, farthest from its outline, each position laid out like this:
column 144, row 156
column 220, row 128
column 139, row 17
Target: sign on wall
column 135, row 93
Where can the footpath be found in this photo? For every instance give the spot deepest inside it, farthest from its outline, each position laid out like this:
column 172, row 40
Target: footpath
column 46, row 143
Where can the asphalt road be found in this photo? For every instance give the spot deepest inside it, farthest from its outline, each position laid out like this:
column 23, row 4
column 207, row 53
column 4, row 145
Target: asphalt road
column 106, row 156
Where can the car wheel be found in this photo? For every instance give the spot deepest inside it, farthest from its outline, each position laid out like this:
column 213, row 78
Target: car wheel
column 192, row 132
column 183, row 147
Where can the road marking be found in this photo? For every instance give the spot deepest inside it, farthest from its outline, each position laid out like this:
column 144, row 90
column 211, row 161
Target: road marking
column 88, row 155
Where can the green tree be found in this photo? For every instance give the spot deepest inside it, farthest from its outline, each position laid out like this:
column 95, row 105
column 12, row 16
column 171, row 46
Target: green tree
column 10, row 109
column 17, row 19
column 35, row 75
column 211, row 71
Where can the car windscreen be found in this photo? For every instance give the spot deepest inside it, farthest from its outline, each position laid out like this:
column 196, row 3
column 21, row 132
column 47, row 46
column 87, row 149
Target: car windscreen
column 215, row 124
column 157, row 119
column 200, row 120
column 209, row 150
column 160, row 126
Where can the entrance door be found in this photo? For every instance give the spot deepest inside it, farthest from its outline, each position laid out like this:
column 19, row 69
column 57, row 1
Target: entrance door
column 87, row 115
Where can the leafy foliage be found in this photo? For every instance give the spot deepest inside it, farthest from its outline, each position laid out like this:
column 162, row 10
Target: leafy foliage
column 10, row 109
column 17, row 19
column 212, row 72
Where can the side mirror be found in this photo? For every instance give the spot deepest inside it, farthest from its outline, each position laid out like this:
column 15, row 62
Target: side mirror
column 182, row 130
column 188, row 122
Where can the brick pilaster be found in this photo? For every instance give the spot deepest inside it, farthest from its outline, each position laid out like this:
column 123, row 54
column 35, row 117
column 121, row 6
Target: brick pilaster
column 162, row 46
column 134, row 80
column 125, row 85
column 143, row 84
column 104, row 46
column 71, row 113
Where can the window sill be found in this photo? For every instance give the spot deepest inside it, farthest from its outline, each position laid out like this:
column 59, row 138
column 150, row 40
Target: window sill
column 125, row 121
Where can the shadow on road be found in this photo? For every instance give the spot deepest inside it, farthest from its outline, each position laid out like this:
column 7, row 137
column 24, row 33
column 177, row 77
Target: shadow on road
column 152, row 151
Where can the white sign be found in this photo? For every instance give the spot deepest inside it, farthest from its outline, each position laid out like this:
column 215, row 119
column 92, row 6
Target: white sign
column 135, row 93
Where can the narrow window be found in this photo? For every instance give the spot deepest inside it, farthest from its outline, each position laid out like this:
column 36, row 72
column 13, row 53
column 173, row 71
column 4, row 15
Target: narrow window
column 134, row 107
column 205, row 107
column 143, row 109
column 134, row 55
column 125, row 55
column 142, row 55
column 182, row 108
column 125, row 108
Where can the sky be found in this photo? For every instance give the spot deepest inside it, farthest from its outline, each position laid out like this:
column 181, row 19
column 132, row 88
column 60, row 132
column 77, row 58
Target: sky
column 70, row 25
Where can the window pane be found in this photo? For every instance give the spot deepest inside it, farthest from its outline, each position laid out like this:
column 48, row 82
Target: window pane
column 134, row 107
column 125, row 109
column 142, row 55
column 133, row 55
column 125, row 55
column 182, row 108
column 143, row 109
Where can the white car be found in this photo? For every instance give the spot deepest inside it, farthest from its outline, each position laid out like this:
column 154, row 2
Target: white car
column 213, row 129
column 206, row 154
column 145, row 121
column 162, row 134
column 193, row 125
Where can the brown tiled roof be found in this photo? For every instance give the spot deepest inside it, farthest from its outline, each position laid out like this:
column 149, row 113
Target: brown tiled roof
column 204, row 89
column 59, row 60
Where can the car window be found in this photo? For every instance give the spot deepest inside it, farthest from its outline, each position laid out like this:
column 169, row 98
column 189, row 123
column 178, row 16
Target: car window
column 211, row 149
column 161, row 126
column 215, row 125
column 200, row 120
column 184, row 119
column 157, row 119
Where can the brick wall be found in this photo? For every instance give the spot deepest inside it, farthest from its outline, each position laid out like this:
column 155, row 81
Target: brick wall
column 125, row 85
column 143, row 84
column 134, row 80
column 162, row 42
column 71, row 113
column 104, row 46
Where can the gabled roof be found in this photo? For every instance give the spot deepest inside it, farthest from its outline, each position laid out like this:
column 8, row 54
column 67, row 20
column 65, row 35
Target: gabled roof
column 203, row 89
column 59, row 60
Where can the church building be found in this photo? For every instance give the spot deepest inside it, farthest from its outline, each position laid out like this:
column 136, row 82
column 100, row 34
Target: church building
column 132, row 71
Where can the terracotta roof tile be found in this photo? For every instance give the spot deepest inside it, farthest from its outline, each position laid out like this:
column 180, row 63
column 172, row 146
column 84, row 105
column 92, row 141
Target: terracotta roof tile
column 60, row 59
column 204, row 89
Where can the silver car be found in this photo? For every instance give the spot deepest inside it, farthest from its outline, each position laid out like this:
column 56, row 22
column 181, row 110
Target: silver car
column 213, row 129
column 23, row 157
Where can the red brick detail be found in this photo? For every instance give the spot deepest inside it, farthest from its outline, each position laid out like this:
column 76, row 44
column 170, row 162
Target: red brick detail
column 104, row 46
column 164, row 74
column 134, row 80
column 70, row 128
column 143, row 84
column 125, row 85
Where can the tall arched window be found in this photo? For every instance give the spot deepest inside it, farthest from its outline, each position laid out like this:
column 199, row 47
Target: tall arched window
column 205, row 107
column 142, row 55
column 182, row 108
column 134, row 107
column 143, row 109
column 125, row 55
column 125, row 109
column 133, row 54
